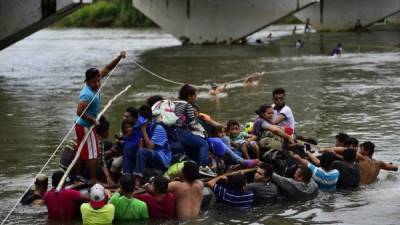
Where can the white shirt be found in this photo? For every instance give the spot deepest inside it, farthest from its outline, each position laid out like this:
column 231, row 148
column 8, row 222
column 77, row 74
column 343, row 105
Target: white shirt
column 289, row 118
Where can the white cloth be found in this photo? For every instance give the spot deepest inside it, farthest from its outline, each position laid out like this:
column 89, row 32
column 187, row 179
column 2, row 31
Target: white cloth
column 289, row 118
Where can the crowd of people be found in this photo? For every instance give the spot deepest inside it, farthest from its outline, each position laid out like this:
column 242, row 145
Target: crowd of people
column 164, row 147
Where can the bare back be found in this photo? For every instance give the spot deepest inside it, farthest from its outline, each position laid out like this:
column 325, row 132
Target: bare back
column 188, row 198
column 369, row 169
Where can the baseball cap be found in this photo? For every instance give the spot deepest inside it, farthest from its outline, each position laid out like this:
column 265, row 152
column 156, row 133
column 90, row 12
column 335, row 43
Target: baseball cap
column 97, row 196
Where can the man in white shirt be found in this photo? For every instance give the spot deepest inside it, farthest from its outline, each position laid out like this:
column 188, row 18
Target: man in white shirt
column 283, row 115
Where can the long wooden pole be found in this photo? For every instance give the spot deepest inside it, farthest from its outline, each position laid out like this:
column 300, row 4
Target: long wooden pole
column 78, row 152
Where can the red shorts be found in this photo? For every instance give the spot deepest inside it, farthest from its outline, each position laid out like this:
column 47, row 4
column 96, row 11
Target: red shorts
column 90, row 149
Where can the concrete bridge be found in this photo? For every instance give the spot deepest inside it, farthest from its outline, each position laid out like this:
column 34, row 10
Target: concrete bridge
column 20, row 18
column 204, row 21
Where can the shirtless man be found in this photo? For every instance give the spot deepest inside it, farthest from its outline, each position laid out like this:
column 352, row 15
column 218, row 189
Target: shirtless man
column 253, row 78
column 215, row 89
column 188, row 192
column 370, row 167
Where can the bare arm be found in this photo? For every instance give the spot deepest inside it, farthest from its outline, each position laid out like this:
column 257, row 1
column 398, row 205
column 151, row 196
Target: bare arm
column 147, row 141
column 313, row 158
column 211, row 183
column 251, row 137
column 104, row 71
column 277, row 131
column 301, row 161
column 279, row 119
column 79, row 111
column 388, row 166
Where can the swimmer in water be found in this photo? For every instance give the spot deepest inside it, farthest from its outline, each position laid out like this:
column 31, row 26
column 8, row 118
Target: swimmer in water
column 253, row 78
column 215, row 89
column 337, row 51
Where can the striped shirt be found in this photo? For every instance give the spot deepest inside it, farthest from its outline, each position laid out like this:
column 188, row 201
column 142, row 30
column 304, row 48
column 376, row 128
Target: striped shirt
column 242, row 199
column 162, row 148
column 185, row 112
column 326, row 180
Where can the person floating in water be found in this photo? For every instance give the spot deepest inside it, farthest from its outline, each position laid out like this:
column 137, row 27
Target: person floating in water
column 337, row 51
column 299, row 44
column 294, row 30
column 252, row 79
column 215, row 89
column 358, row 25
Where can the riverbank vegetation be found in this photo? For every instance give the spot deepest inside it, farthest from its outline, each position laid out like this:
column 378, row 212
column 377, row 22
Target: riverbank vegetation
column 107, row 13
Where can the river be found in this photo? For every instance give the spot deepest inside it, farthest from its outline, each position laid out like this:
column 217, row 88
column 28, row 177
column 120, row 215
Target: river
column 40, row 78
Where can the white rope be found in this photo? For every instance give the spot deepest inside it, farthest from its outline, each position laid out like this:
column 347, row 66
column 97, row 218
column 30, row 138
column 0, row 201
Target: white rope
column 58, row 147
column 233, row 81
column 83, row 142
column 158, row 76
column 283, row 71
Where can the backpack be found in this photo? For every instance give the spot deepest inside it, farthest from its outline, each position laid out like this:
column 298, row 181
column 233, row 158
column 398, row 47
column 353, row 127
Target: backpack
column 269, row 141
column 164, row 112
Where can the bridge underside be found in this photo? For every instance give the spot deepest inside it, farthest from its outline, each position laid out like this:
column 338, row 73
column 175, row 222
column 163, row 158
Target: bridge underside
column 20, row 18
column 216, row 21
column 340, row 15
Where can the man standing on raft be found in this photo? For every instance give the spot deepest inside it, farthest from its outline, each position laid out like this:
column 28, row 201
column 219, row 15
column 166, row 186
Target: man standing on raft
column 85, row 119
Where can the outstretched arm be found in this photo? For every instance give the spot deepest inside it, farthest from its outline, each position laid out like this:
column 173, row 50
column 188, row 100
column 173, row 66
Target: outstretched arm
column 388, row 166
column 301, row 161
column 313, row 158
column 211, row 183
column 277, row 131
column 104, row 71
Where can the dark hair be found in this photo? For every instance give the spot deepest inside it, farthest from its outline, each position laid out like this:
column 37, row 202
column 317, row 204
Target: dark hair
column 196, row 107
column 306, row 173
column 350, row 155
column 91, row 74
column 42, row 180
column 261, row 110
column 127, row 183
column 326, row 160
column 351, row 142
column 267, row 168
column 369, row 146
column 56, row 177
column 237, row 181
column 124, row 124
column 133, row 111
column 342, row 137
column 103, row 126
column 146, row 112
column 190, row 171
column 153, row 100
column 160, row 184
column 185, row 91
column 232, row 123
column 278, row 91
